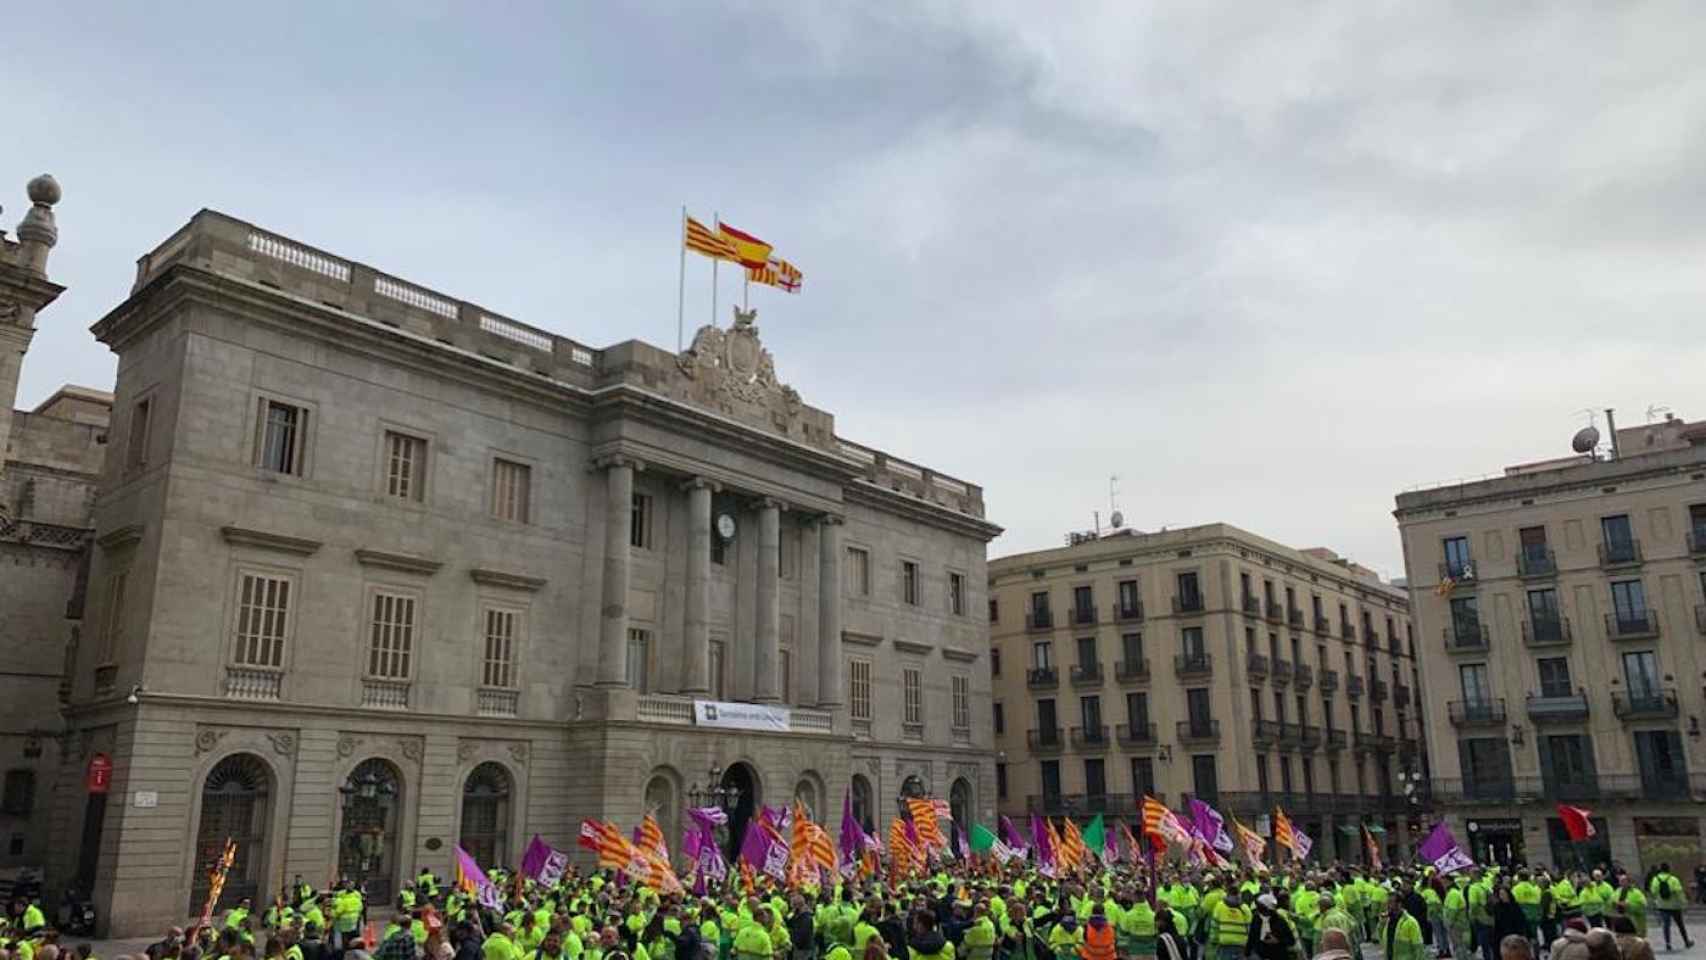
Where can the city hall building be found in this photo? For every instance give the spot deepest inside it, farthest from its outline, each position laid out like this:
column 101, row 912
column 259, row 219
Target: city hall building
column 374, row 571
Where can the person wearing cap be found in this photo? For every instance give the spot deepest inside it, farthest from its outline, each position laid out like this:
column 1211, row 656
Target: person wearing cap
column 1270, row 935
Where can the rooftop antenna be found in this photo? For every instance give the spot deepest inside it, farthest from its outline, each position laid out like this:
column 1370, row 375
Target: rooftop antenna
column 1116, row 519
column 1656, row 409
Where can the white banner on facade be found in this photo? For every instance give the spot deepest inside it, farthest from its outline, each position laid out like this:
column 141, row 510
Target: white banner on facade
column 740, row 716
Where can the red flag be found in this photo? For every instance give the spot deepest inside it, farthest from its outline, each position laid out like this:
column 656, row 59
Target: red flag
column 1576, row 822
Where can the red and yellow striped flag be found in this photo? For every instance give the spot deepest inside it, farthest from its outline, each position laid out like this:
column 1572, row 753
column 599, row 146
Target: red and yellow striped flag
column 750, row 251
column 699, row 239
column 901, row 852
column 1154, row 814
column 1284, row 838
column 924, row 823
column 810, row 852
column 607, row 842
column 777, row 273
column 1072, row 849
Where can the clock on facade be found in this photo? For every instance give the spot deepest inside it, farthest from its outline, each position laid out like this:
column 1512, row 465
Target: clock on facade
column 725, row 526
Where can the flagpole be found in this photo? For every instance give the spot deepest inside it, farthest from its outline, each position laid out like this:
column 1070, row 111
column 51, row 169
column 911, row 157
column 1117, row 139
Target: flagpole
column 681, row 283
column 716, row 226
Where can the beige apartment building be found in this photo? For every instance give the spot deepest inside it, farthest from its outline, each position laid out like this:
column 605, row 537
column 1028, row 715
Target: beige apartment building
column 1561, row 613
column 374, row 572
column 1208, row 662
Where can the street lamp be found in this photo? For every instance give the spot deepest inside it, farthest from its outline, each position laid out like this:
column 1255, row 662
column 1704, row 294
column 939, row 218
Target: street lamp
column 713, row 793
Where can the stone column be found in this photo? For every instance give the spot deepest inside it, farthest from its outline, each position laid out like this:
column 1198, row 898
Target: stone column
column 696, row 633
column 613, row 610
column 767, row 621
column 829, row 554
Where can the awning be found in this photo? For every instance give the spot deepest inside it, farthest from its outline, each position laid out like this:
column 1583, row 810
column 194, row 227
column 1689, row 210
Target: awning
column 1376, row 829
column 1355, row 828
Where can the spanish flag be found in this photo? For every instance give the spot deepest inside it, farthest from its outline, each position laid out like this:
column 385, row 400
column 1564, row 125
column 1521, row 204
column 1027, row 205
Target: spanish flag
column 751, row 252
column 697, row 238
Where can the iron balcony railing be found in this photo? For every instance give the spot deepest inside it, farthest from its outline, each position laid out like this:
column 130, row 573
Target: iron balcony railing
column 1555, row 784
column 1536, row 561
column 1401, row 696
column 1347, row 630
column 1192, row 664
column 1467, row 635
column 1557, row 707
column 1044, row 738
column 1294, row 617
column 1303, row 676
column 1090, row 737
column 1620, row 553
column 1256, row 664
column 1127, row 612
column 1353, row 686
column 1126, row 671
column 1308, row 736
column 1377, row 690
column 1645, row 704
column 1039, row 620
column 1373, row 638
column 1546, row 632
column 1197, row 731
column 1136, row 734
column 1281, row 672
column 1323, row 626
column 1276, row 612
column 1082, row 616
column 1188, row 603
column 1086, row 804
column 1087, row 674
column 1329, row 680
column 1251, row 604
column 1632, row 625
column 1476, row 713
column 1335, row 738
column 1457, row 571
column 1042, row 678
column 1266, row 732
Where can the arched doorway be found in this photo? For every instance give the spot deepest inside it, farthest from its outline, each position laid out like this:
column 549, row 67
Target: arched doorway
column 485, row 814
column 862, row 810
column 660, row 803
column 367, row 843
column 741, row 778
column 960, row 808
column 235, row 804
column 805, row 795
column 912, row 788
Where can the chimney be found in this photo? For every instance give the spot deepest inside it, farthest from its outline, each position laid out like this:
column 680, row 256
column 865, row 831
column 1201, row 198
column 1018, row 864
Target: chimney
column 1611, row 428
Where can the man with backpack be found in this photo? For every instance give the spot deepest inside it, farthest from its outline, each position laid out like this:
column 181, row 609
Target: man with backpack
column 1668, row 897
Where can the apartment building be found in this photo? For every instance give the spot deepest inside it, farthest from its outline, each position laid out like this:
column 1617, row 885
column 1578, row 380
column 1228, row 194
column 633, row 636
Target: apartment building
column 1561, row 609
column 1206, row 661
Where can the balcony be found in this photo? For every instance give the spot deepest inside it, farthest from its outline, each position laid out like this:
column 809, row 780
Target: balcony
column 1045, row 739
column 1476, row 713
column 1294, row 618
column 253, row 683
column 1353, row 686
column 1256, row 665
column 1037, row 620
column 1042, row 678
column 1546, row 632
column 497, row 702
column 1079, row 804
column 1128, row 612
column 1087, row 674
column 1457, row 571
column 1486, row 790
column 1347, row 630
column 1190, row 665
column 1266, row 733
column 1697, row 540
column 1377, row 691
column 1536, row 561
column 1375, row 742
column 1189, row 603
column 1561, row 708
column 1276, row 611
column 1082, row 616
column 1090, row 738
column 1652, row 704
column 1198, row 731
column 1303, row 676
column 1282, row 673
column 1132, row 671
column 1329, row 680
column 1632, row 625
column 385, row 694
column 1323, row 626
column 1335, row 738
column 1467, row 636
column 1136, row 734
column 1308, row 735
column 1620, row 553
column 1372, row 638
column 1252, row 605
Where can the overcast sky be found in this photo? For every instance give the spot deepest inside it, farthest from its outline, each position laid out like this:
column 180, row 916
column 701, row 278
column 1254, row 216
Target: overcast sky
column 1269, row 263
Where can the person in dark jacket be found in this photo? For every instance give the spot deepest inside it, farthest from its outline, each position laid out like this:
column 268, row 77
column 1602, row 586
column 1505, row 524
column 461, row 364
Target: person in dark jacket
column 926, row 942
column 1508, row 918
column 892, row 928
column 1271, row 936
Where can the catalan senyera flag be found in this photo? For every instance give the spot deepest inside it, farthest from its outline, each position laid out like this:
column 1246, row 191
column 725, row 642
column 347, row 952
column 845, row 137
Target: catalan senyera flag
column 701, row 239
column 809, row 851
column 901, row 851
column 1284, row 837
column 750, row 251
column 924, row 823
column 1072, row 848
column 614, row 851
column 651, row 837
column 1252, row 844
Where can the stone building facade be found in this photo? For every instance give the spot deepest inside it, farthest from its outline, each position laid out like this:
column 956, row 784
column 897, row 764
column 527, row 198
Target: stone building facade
column 378, row 571
column 1562, row 611
column 1210, row 662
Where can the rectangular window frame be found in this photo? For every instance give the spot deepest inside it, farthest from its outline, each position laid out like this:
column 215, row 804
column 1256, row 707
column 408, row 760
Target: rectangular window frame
column 414, row 489
column 301, row 445
column 403, row 643
column 642, row 521
column 859, row 688
column 912, row 696
column 956, row 593
column 500, row 666
column 911, row 590
column 236, row 617
column 961, row 686
column 858, row 571
column 139, row 433
column 510, row 481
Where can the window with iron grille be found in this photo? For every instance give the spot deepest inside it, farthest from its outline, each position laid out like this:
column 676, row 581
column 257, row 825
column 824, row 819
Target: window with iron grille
column 859, row 689
column 511, row 490
column 392, row 636
column 640, row 522
column 405, row 466
column 962, row 703
column 909, row 582
column 114, row 634
column 499, row 659
column 263, row 617
column 912, row 688
column 957, row 594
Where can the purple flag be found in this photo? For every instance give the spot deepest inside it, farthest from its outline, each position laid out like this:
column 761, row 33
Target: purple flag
column 852, row 835
column 763, row 849
column 1110, row 846
column 1211, row 825
column 543, row 863
column 1010, row 835
column 1045, row 850
column 1441, row 849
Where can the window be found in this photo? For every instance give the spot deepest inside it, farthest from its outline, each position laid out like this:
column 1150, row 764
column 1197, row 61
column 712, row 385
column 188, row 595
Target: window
column 263, row 617
column 1641, row 675
column 1203, row 780
column 115, row 616
column 1465, row 621
column 1190, row 638
column 719, row 653
column 1567, row 762
column 962, row 702
column 1279, row 706
column 1197, row 708
column 1047, row 722
column 1473, row 677
column 1256, row 704
column 1128, row 598
column 1095, row 777
column 640, row 522
column 859, row 689
column 995, row 662
column 284, row 437
column 1083, row 605
column 499, row 659
column 1042, row 655
column 1629, row 599
column 19, row 798
column 405, row 466
column 1137, row 713
column 1086, row 652
column 858, row 572
column 999, row 715
column 1050, row 770
column 1142, row 776
column 1554, row 677
column 1315, row 607
column 1664, row 769
column 136, row 447
column 1486, row 766
column 1309, row 775
column 1457, row 562
column 639, row 660
column 994, row 611
column 912, row 687
column 1302, row 709
column 511, row 490
column 391, row 640
column 1190, row 594
column 1617, row 531
column 909, row 582
column 1131, row 647
column 1244, row 590
column 1001, row 780
column 1090, row 713
column 1543, row 605
column 956, row 594
column 1285, row 774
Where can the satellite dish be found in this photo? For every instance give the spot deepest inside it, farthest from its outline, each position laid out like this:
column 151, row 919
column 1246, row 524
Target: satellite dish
column 1117, row 519
column 1586, row 439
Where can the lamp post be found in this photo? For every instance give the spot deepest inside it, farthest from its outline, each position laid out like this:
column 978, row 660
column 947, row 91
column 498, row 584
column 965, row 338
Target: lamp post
column 713, row 792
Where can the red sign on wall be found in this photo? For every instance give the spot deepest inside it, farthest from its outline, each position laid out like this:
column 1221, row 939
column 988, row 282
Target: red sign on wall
column 100, row 775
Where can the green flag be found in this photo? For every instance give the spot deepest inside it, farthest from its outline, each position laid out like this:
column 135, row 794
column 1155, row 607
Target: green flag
column 1095, row 836
column 982, row 838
